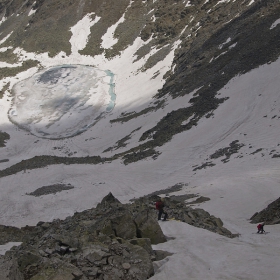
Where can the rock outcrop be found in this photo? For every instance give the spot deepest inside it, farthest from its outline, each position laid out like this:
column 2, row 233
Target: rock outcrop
column 270, row 215
column 179, row 210
column 111, row 241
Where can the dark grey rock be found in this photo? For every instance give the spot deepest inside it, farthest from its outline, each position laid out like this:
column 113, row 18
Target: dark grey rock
column 270, row 215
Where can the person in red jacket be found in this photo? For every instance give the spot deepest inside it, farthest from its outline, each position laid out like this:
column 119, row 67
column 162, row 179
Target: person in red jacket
column 260, row 228
column 159, row 207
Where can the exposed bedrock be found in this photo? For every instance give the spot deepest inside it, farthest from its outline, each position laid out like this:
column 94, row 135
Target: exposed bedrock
column 111, row 241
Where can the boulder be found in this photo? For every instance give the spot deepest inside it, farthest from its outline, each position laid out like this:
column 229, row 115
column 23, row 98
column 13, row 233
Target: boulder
column 27, row 259
column 56, row 269
column 118, row 222
column 9, row 269
column 160, row 254
column 109, row 201
column 148, row 227
column 145, row 243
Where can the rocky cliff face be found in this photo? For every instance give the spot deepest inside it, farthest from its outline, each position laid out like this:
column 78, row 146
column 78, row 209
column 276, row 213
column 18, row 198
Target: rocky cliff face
column 270, row 215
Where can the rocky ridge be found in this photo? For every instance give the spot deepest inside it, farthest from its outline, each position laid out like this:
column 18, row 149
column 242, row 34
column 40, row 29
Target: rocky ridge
column 111, row 241
column 270, row 215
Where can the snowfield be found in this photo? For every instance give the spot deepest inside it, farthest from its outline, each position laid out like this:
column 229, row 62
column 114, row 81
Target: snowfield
column 237, row 188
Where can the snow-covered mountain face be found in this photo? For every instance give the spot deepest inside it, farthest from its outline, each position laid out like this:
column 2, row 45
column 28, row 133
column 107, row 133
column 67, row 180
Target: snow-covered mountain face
column 163, row 92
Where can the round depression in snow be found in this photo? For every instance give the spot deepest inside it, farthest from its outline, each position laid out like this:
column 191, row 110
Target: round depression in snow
column 62, row 101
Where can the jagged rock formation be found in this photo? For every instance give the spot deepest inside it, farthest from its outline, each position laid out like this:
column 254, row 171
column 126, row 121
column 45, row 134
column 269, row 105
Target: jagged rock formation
column 179, row 210
column 111, row 241
column 270, row 215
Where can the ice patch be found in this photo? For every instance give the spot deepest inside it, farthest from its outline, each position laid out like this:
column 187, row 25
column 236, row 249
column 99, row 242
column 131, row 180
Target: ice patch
column 62, row 101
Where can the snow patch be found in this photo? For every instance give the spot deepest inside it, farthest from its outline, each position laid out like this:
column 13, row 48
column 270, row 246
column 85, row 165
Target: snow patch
column 6, row 247
column 5, row 49
column 3, row 19
column 31, row 12
column 4, row 39
column 275, row 24
column 222, row 1
column 227, row 41
column 5, row 64
column 81, row 31
column 108, row 39
column 232, row 46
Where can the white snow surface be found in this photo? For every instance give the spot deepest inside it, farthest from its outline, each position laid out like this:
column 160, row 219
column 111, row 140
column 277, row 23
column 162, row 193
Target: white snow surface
column 247, row 183
column 5, row 38
column 31, row 12
column 81, row 31
column 275, row 23
column 3, row 19
column 5, row 49
column 222, row 1
column 200, row 254
column 251, row 2
column 9, row 65
column 8, row 246
column 108, row 39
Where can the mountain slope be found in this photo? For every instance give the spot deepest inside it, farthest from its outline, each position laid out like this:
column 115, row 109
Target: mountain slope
column 196, row 84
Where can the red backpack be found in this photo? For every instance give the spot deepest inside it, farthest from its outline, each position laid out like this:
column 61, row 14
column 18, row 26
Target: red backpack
column 159, row 205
